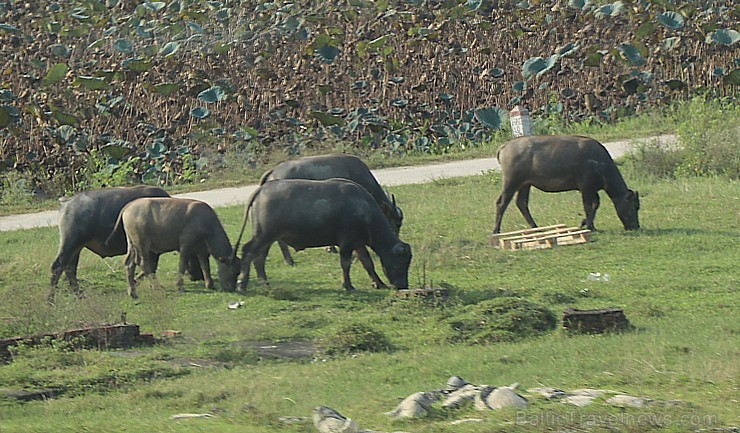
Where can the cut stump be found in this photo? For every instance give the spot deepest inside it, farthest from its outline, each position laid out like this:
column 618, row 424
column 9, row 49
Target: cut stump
column 106, row 336
column 595, row 321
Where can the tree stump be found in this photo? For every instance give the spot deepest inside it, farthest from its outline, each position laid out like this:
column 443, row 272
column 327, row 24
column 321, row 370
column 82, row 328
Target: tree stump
column 595, row 321
column 105, row 336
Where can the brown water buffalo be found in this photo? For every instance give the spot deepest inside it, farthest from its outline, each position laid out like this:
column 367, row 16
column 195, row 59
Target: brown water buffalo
column 337, row 165
column 86, row 221
column 159, row 225
column 316, row 213
column 563, row 163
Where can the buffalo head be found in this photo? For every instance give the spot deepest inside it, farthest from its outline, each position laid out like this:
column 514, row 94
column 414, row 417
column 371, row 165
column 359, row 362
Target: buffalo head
column 396, row 265
column 627, row 208
column 228, row 269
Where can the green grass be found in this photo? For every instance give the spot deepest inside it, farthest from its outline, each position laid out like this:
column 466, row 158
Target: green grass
column 677, row 280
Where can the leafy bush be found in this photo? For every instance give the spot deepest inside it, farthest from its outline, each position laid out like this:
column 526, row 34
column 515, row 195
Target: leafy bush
column 15, row 188
column 356, row 337
column 502, row 319
column 708, row 144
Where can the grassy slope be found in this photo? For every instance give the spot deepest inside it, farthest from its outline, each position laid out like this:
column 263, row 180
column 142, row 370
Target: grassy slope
column 676, row 279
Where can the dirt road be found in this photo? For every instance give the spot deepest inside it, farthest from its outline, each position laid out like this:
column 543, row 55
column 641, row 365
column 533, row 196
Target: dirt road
column 386, row 177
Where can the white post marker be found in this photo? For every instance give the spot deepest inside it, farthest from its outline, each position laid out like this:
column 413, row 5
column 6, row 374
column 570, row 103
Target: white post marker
column 520, row 124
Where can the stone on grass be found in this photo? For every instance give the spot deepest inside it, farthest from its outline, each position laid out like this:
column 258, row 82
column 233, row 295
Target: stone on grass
column 191, row 415
column 456, row 382
column 579, row 400
column 465, row 421
column 417, row 405
column 498, row 398
column 548, row 393
column 622, row 400
column 589, row 392
column 584, row 397
column 459, row 397
column 327, row 420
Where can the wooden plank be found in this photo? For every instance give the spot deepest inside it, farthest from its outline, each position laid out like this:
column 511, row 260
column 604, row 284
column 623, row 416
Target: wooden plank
column 529, row 230
column 541, row 237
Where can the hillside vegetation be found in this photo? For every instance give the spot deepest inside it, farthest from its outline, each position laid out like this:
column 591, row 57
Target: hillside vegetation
column 97, row 92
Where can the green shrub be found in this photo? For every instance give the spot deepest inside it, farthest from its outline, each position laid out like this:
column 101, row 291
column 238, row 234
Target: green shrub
column 356, row 337
column 502, row 319
column 16, row 188
column 710, row 139
column 708, row 143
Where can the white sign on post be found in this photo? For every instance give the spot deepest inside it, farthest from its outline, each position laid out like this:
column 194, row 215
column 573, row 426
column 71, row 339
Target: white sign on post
column 520, row 124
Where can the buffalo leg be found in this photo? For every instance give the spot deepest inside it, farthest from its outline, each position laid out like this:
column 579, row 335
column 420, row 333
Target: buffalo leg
column 194, row 269
column 286, row 253
column 65, row 262
column 205, row 265
column 259, row 262
column 502, row 202
column 367, row 263
column 591, row 203
column 522, row 202
column 130, row 263
column 183, row 266
column 345, row 259
column 245, row 265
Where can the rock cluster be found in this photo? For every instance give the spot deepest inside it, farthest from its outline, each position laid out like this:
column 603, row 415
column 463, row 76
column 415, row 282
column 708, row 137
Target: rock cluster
column 458, row 392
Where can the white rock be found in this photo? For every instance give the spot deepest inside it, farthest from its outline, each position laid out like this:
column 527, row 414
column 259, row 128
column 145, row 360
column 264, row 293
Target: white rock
column 191, row 415
column 327, row 420
column 501, row 398
column 465, row 421
column 623, row 400
column 416, row 405
column 588, row 392
column 461, row 396
column 548, row 393
column 579, row 400
column 456, row 382
column 480, row 398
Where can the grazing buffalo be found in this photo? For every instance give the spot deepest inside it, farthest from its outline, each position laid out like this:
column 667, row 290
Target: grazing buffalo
column 158, row 225
column 316, row 213
column 86, row 221
column 563, row 163
column 342, row 166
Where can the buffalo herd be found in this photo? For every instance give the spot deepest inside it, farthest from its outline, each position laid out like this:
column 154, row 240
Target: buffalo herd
column 316, row 201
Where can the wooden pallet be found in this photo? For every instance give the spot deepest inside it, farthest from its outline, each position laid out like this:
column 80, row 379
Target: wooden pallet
column 541, row 237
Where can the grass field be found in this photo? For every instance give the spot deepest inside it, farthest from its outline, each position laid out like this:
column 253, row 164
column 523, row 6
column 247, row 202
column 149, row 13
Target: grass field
column 677, row 280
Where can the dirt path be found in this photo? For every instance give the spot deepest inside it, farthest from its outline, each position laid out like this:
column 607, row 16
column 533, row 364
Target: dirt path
column 386, row 177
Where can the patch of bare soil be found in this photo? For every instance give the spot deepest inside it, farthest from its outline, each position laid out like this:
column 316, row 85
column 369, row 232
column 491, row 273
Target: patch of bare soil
column 281, row 350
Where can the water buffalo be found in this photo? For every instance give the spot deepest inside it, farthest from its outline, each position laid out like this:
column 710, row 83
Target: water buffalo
column 563, row 163
column 158, row 225
column 86, row 221
column 342, row 166
column 315, row 213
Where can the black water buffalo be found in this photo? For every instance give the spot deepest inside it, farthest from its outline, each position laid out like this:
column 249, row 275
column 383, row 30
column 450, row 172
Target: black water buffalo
column 85, row 221
column 563, row 163
column 159, row 225
column 315, row 213
column 342, row 166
